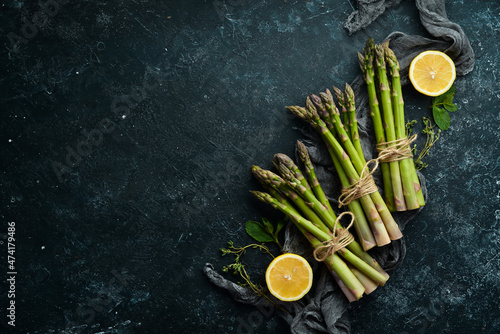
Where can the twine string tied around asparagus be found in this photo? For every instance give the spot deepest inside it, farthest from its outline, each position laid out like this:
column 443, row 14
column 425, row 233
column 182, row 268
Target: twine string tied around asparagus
column 394, row 151
column 364, row 186
column 341, row 237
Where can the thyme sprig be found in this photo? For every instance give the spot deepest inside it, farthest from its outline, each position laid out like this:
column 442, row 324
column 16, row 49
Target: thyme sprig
column 432, row 137
column 238, row 268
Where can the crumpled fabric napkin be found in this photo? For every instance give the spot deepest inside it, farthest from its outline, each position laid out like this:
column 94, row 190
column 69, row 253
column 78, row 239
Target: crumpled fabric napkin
column 367, row 12
column 324, row 309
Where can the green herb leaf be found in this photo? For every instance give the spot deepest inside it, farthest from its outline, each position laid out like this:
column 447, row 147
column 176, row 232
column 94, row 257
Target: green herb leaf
column 441, row 105
column 451, row 107
column 267, row 225
column 441, row 117
column 438, row 100
column 280, row 225
column 258, row 231
column 445, row 100
column 449, row 95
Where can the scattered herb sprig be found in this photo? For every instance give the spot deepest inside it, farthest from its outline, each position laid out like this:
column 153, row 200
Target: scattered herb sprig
column 264, row 231
column 238, row 268
column 441, row 106
column 432, row 137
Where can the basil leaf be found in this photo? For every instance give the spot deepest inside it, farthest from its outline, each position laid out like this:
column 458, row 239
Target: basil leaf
column 258, row 231
column 441, row 117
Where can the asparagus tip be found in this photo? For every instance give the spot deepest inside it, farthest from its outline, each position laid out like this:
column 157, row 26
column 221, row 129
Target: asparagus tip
column 339, row 95
column 362, row 62
column 300, row 145
column 349, row 92
column 302, row 150
column 264, row 197
column 301, row 112
column 283, row 159
column 369, row 46
column 327, row 97
column 309, row 103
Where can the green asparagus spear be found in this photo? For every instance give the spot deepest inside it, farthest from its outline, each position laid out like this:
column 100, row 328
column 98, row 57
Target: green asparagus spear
column 390, row 133
column 343, row 107
column 351, row 107
column 366, row 64
column 311, row 175
column 412, row 190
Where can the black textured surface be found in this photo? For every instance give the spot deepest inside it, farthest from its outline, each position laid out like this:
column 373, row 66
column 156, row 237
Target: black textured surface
column 179, row 100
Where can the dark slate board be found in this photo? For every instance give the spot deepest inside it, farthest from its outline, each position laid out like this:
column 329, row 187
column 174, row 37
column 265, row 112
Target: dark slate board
column 127, row 133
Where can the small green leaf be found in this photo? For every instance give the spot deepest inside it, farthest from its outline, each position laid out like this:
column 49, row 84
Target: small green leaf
column 452, row 107
column 267, row 225
column 438, row 100
column 445, row 99
column 258, row 231
column 441, row 117
column 450, row 94
column 280, row 225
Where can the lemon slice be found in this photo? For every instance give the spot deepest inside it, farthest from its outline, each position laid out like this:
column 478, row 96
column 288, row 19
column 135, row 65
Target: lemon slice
column 289, row 277
column 432, row 73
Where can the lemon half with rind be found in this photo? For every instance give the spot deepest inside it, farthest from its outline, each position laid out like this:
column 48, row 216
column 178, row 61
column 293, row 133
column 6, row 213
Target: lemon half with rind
column 289, row 277
column 432, row 72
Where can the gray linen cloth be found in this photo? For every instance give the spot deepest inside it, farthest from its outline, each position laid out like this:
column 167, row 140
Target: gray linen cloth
column 324, row 309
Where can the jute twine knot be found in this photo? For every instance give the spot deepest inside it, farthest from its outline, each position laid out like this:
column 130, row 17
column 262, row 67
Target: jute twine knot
column 341, row 237
column 388, row 152
column 395, row 150
column 364, row 186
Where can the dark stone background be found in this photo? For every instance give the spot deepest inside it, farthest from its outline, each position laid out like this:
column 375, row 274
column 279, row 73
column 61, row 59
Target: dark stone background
column 179, row 99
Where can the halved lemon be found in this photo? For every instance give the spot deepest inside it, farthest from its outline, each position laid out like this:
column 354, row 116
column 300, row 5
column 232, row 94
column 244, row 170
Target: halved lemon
column 289, row 277
column 432, row 72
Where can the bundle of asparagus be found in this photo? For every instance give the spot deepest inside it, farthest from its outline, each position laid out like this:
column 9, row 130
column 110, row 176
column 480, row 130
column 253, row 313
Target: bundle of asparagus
column 401, row 184
column 301, row 198
column 373, row 222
